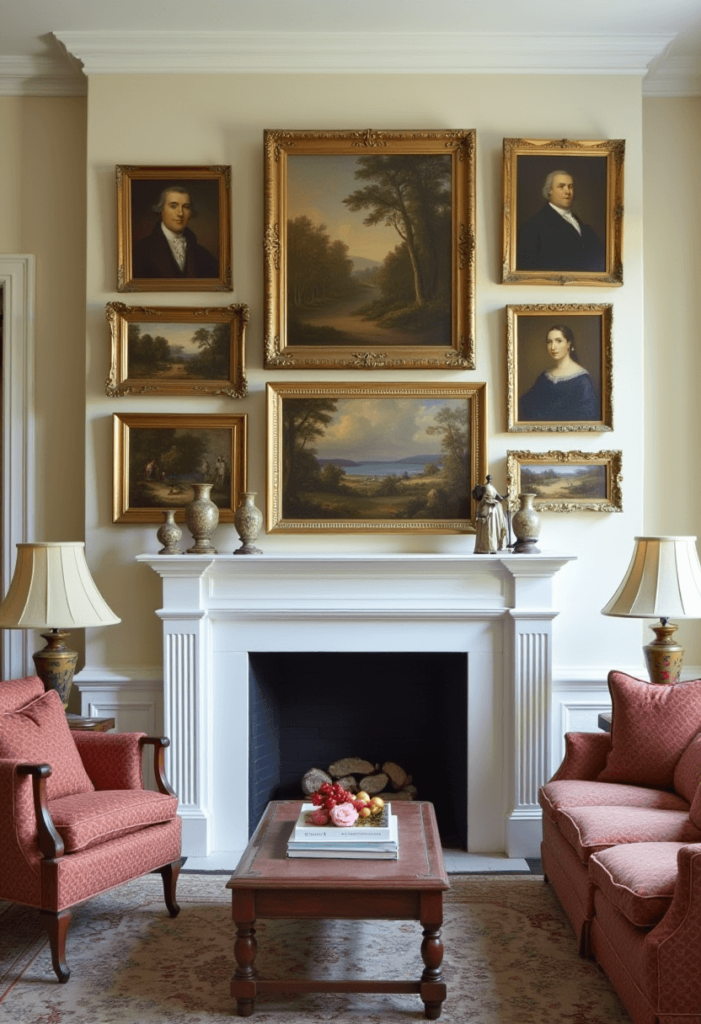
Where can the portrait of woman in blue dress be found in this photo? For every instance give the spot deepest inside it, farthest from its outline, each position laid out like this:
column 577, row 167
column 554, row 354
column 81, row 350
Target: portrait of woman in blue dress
column 564, row 391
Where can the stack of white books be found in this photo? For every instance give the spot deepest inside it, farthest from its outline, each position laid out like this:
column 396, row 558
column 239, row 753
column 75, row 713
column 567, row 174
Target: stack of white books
column 375, row 838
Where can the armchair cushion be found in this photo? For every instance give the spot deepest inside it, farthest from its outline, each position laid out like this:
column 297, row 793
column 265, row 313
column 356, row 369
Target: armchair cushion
column 638, row 879
column 577, row 793
column 88, row 819
column 687, row 774
column 651, row 728
column 39, row 734
column 591, row 829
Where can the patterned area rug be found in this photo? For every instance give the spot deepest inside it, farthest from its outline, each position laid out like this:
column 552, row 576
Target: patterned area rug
column 510, row 958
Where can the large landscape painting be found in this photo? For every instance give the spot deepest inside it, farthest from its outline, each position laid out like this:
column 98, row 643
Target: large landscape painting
column 369, row 246
column 373, row 458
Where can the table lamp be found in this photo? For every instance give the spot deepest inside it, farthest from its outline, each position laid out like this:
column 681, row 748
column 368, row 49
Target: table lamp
column 52, row 589
column 663, row 580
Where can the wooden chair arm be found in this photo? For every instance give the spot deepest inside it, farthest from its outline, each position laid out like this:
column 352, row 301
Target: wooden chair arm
column 50, row 842
column 159, row 743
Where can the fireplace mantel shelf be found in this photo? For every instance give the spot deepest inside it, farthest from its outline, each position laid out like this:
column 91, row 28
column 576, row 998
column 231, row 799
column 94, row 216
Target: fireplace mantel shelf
column 496, row 609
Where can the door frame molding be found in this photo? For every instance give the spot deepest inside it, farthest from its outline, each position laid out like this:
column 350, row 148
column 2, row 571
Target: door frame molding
column 17, row 280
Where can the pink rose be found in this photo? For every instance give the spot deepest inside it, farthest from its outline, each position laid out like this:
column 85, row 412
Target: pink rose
column 319, row 816
column 344, row 815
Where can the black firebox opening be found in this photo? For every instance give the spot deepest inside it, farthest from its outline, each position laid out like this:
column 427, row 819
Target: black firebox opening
column 307, row 710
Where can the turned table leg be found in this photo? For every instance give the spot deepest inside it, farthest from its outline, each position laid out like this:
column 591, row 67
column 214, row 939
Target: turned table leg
column 243, row 985
column 433, row 987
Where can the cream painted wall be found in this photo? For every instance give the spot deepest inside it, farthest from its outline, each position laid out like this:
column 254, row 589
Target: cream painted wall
column 671, row 162
column 42, row 212
column 155, row 119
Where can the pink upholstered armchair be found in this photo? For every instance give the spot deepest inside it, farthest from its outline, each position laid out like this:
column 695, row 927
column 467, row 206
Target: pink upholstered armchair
column 75, row 819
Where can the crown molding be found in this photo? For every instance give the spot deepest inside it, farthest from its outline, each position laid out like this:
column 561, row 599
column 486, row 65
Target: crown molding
column 675, row 76
column 41, row 76
column 205, row 52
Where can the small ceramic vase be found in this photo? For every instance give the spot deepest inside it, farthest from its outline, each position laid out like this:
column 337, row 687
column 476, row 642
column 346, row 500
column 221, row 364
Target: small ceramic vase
column 526, row 526
column 248, row 520
column 169, row 534
column 202, row 516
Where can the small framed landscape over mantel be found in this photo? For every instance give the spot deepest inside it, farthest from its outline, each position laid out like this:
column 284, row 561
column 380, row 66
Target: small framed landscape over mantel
column 370, row 249
column 158, row 457
column 177, row 350
column 375, row 457
column 566, row 481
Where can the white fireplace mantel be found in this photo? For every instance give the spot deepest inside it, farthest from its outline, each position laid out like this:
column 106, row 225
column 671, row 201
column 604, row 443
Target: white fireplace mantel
column 497, row 609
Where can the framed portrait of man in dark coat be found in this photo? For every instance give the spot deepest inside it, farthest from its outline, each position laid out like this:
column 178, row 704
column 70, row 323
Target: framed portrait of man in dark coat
column 563, row 212
column 174, row 229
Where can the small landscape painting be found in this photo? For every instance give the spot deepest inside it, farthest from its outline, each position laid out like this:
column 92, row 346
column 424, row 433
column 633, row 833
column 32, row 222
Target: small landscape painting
column 375, row 458
column 566, row 481
column 158, row 458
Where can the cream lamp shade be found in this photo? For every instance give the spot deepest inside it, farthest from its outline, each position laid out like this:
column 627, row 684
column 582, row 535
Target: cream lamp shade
column 663, row 581
column 52, row 589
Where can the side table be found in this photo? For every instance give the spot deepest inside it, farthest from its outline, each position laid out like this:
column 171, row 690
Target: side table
column 81, row 724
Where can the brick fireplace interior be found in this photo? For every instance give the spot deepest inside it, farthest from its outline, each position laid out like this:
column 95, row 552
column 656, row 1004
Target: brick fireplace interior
column 309, row 709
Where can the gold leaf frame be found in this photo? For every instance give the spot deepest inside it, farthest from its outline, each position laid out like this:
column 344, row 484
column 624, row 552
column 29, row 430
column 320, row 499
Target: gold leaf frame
column 566, row 311
column 614, row 152
column 126, row 176
column 461, row 353
column 120, row 316
column 473, row 393
column 124, row 423
column 612, row 460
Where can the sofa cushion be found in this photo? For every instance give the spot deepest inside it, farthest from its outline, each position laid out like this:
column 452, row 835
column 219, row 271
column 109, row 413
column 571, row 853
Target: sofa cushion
column 590, row 829
column 579, row 793
column 638, row 879
column 652, row 726
column 87, row 819
column 687, row 774
column 38, row 734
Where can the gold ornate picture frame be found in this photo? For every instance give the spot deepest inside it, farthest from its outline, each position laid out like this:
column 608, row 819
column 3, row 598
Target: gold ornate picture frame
column 375, row 457
column 566, row 481
column 559, row 367
column 563, row 212
column 370, row 249
column 173, row 229
column 177, row 350
column 157, row 457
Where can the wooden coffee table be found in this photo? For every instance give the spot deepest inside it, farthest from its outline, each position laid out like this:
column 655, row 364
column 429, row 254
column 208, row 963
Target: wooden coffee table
column 267, row 884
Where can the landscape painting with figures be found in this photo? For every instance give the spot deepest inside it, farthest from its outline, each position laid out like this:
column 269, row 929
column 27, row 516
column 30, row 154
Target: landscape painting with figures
column 369, row 249
column 159, row 458
column 362, row 460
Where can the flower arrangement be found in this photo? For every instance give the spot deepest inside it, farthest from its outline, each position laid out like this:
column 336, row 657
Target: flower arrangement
column 333, row 803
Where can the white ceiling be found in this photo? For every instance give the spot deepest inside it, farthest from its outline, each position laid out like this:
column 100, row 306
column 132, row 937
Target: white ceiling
column 660, row 39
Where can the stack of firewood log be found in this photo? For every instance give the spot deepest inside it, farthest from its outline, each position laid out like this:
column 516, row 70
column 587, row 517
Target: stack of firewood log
column 388, row 780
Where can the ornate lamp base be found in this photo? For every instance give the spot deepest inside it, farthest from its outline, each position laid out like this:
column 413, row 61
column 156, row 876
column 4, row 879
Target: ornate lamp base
column 664, row 655
column 55, row 664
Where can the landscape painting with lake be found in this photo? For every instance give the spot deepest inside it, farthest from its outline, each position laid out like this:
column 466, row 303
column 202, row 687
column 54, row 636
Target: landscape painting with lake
column 370, row 249
column 382, row 457
column 572, row 481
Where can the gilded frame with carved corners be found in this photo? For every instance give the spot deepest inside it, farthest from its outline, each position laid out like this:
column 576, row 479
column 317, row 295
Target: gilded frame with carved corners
column 585, row 402
column 409, row 302
column 538, row 246
column 144, row 263
column 380, row 457
column 177, row 350
column 566, row 481
column 157, row 458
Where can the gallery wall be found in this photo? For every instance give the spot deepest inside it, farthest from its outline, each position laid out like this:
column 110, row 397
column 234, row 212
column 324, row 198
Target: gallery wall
column 215, row 120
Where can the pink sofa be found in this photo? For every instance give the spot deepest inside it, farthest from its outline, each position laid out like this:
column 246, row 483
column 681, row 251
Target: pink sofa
column 622, row 847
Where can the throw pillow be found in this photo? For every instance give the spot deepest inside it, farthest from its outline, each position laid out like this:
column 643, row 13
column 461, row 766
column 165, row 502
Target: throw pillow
column 651, row 727
column 39, row 734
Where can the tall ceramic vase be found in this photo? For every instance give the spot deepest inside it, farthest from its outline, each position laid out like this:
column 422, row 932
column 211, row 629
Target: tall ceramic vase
column 248, row 520
column 202, row 516
column 526, row 526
